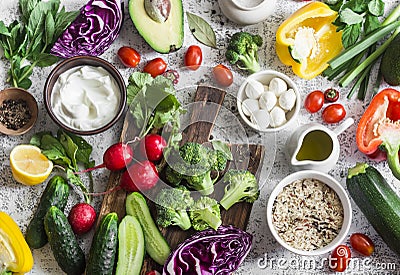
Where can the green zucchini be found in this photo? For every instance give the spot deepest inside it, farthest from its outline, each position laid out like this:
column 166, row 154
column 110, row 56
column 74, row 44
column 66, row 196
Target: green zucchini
column 156, row 246
column 378, row 201
column 63, row 243
column 56, row 193
column 130, row 247
column 104, row 247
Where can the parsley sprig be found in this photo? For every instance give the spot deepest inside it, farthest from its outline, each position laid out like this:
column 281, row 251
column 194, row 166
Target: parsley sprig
column 27, row 43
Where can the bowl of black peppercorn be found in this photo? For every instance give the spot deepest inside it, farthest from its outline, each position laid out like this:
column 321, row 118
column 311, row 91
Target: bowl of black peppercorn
column 18, row 111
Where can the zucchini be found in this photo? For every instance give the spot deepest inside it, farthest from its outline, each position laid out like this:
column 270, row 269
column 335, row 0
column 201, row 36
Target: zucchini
column 130, row 247
column 56, row 193
column 378, row 201
column 104, row 246
column 156, row 246
column 63, row 243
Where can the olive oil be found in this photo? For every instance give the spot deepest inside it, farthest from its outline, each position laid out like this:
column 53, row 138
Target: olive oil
column 317, row 145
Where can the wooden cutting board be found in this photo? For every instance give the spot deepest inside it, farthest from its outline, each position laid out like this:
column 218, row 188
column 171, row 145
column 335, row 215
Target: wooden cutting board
column 202, row 117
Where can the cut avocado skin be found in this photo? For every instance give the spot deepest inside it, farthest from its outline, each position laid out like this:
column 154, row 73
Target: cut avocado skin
column 163, row 37
column 390, row 64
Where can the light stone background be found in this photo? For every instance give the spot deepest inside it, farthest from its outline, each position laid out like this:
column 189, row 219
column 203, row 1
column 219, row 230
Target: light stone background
column 20, row 201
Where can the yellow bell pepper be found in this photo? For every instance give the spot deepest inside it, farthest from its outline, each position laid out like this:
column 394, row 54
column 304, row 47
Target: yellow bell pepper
column 307, row 40
column 15, row 254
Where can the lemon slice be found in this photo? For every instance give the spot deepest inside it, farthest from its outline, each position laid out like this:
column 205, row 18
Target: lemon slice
column 28, row 165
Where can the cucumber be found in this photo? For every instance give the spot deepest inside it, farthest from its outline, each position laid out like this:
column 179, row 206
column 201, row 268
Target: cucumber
column 377, row 200
column 104, row 247
column 130, row 247
column 56, row 193
column 63, row 243
column 156, row 246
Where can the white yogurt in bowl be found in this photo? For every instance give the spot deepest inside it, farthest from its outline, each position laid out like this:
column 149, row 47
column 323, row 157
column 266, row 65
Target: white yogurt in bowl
column 85, row 97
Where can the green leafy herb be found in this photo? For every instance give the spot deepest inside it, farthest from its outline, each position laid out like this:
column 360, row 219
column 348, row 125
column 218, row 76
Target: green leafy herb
column 201, row 30
column 27, row 44
column 66, row 151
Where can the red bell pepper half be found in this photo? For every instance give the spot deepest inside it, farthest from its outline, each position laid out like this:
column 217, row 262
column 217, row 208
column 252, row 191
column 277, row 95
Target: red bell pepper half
column 378, row 131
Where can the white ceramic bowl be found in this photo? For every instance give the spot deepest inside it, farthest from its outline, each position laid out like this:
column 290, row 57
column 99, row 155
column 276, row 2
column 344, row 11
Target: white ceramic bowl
column 334, row 185
column 265, row 77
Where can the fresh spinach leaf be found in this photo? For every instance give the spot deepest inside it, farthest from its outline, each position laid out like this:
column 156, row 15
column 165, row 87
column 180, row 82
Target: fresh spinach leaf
column 70, row 148
column 371, row 23
column 45, row 59
column 84, row 149
column 350, row 34
column 376, row 7
column 350, row 17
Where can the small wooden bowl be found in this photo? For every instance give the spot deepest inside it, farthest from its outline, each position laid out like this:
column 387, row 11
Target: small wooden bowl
column 16, row 94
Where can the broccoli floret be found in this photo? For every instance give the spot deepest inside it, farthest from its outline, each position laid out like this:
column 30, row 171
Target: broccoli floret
column 172, row 176
column 172, row 205
column 218, row 160
column 193, row 153
column 241, row 186
column 205, row 213
column 242, row 50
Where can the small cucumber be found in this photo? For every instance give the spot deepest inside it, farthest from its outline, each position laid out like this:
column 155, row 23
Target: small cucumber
column 104, row 247
column 156, row 246
column 130, row 247
column 56, row 193
column 63, row 243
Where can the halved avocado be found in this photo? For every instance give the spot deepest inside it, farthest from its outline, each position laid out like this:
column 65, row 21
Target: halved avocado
column 163, row 37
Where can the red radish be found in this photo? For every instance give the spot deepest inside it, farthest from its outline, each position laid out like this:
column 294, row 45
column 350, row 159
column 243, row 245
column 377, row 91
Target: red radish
column 153, row 272
column 139, row 176
column 152, row 147
column 81, row 218
column 115, row 158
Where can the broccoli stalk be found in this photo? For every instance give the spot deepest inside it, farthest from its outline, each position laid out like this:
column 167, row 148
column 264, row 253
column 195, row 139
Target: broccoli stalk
column 172, row 205
column 242, row 50
column 241, row 186
column 205, row 213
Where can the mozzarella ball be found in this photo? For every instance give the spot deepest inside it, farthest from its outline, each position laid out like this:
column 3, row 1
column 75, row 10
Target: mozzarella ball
column 254, row 89
column 249, row 106
column 278, row 117
column 261, row 118
column 277, row 86
column 287, row 100
column 267, row 101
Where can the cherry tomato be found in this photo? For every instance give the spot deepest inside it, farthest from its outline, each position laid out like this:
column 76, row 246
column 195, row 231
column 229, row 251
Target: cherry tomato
column 152, row 147
column 314, row 101
column 155, row 67
column 362, row 243
column 340, row 258
column 128, row 56
column 223, row 76
column 193, row 57
column 333, row 113
column 331, row 95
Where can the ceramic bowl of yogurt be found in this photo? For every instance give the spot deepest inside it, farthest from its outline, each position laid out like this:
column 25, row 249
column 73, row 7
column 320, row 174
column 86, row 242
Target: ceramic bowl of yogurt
column 85, row 95
column 268, row 101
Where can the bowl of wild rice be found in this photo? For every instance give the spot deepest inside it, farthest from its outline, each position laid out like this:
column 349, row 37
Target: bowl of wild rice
column 309, row 213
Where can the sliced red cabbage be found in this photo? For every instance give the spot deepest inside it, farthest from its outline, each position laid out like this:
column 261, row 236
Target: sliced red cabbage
column 217, row 252
column 93, row 31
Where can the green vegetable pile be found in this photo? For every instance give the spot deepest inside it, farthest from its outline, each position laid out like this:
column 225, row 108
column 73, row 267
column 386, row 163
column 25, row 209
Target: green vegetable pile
column 362, row 31
column 27, row 44
column 190, row 168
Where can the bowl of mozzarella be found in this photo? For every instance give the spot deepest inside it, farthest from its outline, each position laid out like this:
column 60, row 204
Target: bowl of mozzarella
column 268, row 101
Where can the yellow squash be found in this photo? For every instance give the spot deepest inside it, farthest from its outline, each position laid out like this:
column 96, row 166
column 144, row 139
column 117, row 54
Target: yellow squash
column 307, row 40
column 15, row 254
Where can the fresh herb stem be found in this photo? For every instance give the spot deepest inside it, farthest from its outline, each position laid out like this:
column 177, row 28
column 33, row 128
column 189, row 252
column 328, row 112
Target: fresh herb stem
column 368, row 61
column 369, row 40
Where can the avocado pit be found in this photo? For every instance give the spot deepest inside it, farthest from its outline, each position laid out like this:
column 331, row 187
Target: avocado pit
column 158, row 10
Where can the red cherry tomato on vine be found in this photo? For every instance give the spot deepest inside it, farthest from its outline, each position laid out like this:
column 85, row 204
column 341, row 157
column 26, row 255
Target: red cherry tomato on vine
column 314, row 101
column 340, row 258
column 193, row 57
column 223, row 76
column 362, row 243
column 128, row 56
column 155, row 67
column 333, row 113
